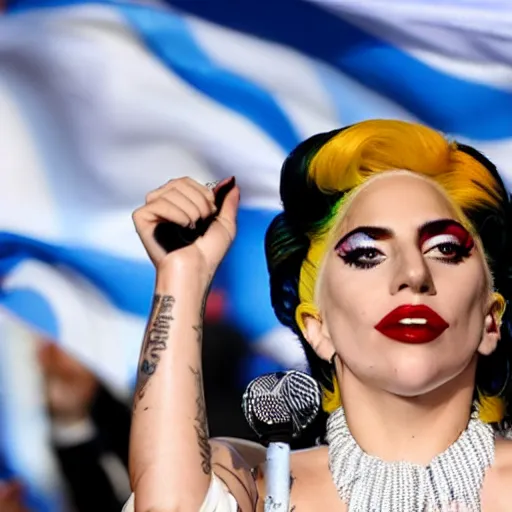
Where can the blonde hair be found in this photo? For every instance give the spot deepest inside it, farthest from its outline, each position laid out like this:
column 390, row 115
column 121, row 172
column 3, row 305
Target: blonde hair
column 353, row 156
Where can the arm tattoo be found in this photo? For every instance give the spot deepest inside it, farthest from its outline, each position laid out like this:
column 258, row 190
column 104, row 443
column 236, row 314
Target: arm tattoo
column 236, row 477
column 243, row 478
column 201, row 424
column 199, row 326
column 155, row 341
column 257, row 475
column 205, row 299
column 292, row 481
column 249, row 484
column 199, row 333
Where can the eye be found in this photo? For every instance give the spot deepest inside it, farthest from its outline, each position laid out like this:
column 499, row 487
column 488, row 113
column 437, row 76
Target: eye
column 446, row 248
column 363, row 257
column 360, row 251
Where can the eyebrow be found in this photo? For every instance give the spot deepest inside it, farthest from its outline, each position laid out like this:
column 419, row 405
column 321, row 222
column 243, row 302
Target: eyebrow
column 374, row 232
column 437, row 227
column 425, row 231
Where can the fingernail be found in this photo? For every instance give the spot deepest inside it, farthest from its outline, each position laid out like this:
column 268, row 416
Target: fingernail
column 226, row 182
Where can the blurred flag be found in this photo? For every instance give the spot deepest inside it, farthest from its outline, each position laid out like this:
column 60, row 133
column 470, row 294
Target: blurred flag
column 102, row 101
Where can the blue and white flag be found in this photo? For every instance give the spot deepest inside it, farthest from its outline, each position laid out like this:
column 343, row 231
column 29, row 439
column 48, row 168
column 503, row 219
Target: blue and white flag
column 102, row 101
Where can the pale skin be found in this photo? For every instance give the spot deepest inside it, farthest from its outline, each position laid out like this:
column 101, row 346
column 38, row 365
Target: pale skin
column 409, row 391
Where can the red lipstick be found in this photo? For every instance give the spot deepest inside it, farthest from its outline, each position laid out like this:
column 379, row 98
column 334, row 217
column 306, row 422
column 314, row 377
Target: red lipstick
column 412, row 324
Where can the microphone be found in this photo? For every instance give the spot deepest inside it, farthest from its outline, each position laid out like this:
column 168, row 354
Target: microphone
column 171, row 236
column 278, row 407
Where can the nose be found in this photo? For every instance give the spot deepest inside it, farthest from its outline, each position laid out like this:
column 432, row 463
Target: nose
column 413, row 273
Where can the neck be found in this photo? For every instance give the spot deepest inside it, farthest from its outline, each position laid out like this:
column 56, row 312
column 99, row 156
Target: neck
column 415, row 429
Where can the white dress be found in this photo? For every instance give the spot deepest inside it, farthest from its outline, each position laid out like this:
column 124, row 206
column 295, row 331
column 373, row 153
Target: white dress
column 218, row 499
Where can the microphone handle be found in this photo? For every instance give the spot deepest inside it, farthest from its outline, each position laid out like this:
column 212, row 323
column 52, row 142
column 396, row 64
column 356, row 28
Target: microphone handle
column 277, row 478
column 172, row 237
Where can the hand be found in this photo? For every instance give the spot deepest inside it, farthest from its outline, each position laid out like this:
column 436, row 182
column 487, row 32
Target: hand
column 70, row 387
column 184, row 201
column 10, row 497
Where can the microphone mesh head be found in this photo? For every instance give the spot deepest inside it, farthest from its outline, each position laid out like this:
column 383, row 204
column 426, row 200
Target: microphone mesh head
column 281, row 404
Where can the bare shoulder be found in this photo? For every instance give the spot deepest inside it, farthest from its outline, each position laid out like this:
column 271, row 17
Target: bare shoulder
column 497, row 486
column 236, row 462
column 503, row 456
column 311, row 481
column 240, row 465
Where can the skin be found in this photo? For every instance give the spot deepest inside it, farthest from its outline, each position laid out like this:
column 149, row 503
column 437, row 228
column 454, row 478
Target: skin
column 409, row 391
column 429, row 384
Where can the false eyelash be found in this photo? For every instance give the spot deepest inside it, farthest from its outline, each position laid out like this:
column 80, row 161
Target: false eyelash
column 361, row 265
column 461, row 252
column 353, row 257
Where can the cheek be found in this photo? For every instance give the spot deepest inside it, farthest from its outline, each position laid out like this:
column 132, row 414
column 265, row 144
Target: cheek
column 348, row 305
column 357, row 296
column 462, row 297
column 462, row 290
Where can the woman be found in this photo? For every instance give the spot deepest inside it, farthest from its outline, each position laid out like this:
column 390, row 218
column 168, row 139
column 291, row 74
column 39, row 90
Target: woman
column 390, row 263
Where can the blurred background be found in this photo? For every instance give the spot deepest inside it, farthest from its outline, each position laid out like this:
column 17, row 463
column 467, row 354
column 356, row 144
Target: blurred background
column 102, row 101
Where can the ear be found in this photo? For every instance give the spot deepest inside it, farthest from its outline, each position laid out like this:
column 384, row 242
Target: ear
column 317, row 336
column 492, row 327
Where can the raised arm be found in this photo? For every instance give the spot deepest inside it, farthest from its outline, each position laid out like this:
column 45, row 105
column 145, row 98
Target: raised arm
column 170, row 454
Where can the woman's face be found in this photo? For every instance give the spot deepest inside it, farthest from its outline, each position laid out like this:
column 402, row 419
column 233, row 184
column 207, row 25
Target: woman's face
column 404, row 295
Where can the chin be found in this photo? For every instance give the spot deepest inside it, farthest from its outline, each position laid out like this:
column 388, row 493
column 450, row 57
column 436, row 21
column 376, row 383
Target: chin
column 416, row 378
column 410, row 389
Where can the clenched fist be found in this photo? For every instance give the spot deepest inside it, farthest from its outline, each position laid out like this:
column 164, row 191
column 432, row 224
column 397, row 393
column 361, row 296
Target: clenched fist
column 184, row 202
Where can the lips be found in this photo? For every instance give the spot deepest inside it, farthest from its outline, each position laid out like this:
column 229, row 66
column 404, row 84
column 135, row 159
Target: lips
column 412, row 324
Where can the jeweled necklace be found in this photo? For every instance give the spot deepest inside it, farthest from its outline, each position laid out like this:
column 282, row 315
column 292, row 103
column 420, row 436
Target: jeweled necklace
column 369, row 484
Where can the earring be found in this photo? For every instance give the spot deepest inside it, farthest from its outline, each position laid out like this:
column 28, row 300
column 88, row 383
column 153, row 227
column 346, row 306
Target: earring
column 328, row 371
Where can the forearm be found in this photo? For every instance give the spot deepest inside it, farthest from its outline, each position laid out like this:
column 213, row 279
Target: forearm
column 170, row 462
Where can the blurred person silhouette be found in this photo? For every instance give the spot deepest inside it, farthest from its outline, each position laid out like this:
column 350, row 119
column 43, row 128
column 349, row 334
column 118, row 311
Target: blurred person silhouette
column 90, row 426
column 89, row 432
